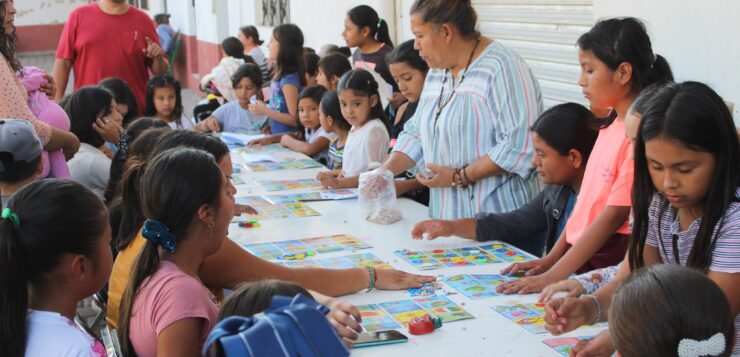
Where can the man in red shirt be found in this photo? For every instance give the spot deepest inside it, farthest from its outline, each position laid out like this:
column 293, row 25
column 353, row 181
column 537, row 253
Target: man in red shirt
column 109, row 38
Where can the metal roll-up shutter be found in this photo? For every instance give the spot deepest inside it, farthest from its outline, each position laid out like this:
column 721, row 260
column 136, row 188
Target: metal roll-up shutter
column 544, row 33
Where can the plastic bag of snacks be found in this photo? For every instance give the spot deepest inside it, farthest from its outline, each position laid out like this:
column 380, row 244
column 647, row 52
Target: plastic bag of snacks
column 378, row 196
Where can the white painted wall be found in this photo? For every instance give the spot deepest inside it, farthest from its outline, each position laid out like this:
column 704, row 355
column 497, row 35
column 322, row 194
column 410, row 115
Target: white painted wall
column 44, row 12
column 700, row 38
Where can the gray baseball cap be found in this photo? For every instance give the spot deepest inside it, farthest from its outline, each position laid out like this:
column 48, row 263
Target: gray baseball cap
column 18, row 142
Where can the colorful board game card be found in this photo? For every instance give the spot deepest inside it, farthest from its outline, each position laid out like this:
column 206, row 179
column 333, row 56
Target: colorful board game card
column 418, row 260
column 350, row 242
column 506, row 252
column 291, row 247
column 265, row 251
column 301, row 264
column 443, row 308
column 368, row 259
column 262, row 166
column 563, row 345
column 336, row 263
column 323, row 244
column 448, row 258
column 283, row 185
column 267, row 210
column 477, row 256
column 492, row 281
column 403, row 310
column 527, row 317
column 375, row 319
column 261, row 149
column 469, row 287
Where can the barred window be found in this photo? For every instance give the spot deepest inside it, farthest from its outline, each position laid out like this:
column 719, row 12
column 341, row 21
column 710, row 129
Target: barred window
column 274, row 12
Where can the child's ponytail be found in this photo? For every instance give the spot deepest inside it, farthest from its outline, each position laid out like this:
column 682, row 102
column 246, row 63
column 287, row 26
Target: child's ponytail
column 146, row 264
column 43, row 221
column 14, row 292
column 365, row 16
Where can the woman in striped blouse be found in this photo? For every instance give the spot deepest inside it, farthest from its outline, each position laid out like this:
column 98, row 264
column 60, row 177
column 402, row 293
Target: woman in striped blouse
column 471, row 126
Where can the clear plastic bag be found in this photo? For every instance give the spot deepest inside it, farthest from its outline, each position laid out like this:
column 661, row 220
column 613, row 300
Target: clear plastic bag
column 378, row 196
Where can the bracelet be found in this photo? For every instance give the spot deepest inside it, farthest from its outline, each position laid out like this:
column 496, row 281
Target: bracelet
column 371, row 284
column 598, row 308
column 466, row 179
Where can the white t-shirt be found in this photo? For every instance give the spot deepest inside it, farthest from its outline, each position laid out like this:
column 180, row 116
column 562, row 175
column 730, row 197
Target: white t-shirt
column 312, row 135
column 91, row 168
column 51, row 334
column 365, row 145
column 184, row 123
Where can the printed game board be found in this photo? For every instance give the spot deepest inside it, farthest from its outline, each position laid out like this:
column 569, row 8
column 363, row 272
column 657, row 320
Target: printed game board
column 259, row 149
column 292, row 249
column 261, row 166
column 480, row 255
column 324, row 195
column 283, row 185
column 341, row 262
column 527, row 316
column 267, row 210
column 383, row 316
column 477, row 286
column 563, row 345
column 426, row 289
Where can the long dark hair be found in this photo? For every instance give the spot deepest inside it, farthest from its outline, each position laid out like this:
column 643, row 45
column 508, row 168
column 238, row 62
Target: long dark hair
column 123, row 95
column 290, row 54
column 640, row 320
column 330, row 107
column 365, row 16
column 8, row 41
column 174, row 186
column 164, row 81
column 406, row 53
column 458, row 13
column 251, row 31
column 568, row 126
column 619, row 40
column 694, row 115
column 84, row 107
column 132, row 132
column 362, row 83
column 132, row 217
column 55, row 217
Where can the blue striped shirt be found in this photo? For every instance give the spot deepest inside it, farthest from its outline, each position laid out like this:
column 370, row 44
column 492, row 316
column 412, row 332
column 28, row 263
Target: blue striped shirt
column 489, row 114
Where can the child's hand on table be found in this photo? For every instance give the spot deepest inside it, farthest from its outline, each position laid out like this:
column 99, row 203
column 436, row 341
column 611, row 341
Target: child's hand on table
column 567, row 314
column 392, row 279
column 328, row 179
column 572, row 286
column 600, row 345
column 345, row 318
column 526, row 285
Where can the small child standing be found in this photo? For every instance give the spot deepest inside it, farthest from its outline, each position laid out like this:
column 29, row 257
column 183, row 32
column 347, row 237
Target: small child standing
column 164, row 102
column 368, row 140
column 55, row 244
column 317, row 140
column 234, row 117
column 332, row 121
column 697, row 322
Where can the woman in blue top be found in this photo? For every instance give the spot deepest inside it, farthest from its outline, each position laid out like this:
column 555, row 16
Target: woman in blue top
column 286, row 50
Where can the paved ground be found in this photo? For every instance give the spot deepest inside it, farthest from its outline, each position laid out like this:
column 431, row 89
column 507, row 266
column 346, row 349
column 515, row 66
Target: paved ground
column 45, row 60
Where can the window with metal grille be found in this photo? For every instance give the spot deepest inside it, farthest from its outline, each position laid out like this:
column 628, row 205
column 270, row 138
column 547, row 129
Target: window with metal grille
column 141, row 4
column 273, row 12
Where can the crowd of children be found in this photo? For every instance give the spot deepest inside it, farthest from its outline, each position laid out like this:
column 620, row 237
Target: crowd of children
column 643, row 204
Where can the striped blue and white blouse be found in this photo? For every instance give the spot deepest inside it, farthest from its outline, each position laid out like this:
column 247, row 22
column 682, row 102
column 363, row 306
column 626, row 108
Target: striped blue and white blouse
column 490, row 114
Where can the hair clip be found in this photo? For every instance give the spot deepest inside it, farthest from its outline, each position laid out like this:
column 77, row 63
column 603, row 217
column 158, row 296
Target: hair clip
column 380, row 21
column 159, row 234
column 8, row 214
column 713, row 346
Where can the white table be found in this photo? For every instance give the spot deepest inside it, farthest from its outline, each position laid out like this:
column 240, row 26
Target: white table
column 489, row 334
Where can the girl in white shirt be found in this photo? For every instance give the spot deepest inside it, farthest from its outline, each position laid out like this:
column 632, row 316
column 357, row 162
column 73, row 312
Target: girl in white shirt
column 164, row 102
column 368, row 141
column 55, row 244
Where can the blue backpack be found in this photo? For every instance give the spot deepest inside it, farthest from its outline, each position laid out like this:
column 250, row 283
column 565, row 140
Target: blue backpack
column 290, row 327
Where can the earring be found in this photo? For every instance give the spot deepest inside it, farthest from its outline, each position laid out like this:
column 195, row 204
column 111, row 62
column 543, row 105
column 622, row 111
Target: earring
column 211, row 225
